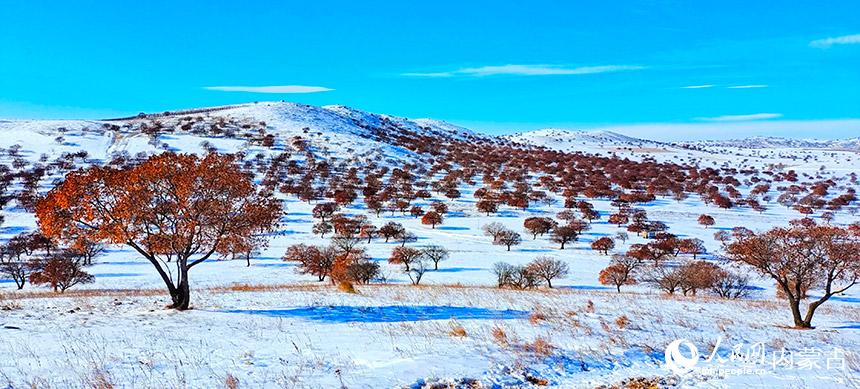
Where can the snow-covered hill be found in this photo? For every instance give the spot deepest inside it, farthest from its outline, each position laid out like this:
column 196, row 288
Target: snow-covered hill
column 575, row 140
column 342, row 131
column 266, row 324
column 766, row 142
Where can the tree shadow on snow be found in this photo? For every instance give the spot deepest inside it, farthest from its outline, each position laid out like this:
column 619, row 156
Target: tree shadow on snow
column 386, row 314
column 457, row 269
column 587, row 287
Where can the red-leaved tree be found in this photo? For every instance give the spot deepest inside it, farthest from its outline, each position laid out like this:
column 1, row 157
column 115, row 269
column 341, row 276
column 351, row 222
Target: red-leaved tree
column 799, row 257
column 173, row 209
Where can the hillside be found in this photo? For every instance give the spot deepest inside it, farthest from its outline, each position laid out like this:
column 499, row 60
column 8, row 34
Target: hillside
column 761, row 142
column 270, row 322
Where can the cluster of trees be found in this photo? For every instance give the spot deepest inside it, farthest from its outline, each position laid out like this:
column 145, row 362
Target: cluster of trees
column 562, row 233
column 179, row 210
column 35, row 258
column 416, row 261
column 689, row 277
column 502, row 235
column 339, row 261
column 807, row 199
column 531, row 275
column 799, row 258
column 665, row 245
column 345, row 261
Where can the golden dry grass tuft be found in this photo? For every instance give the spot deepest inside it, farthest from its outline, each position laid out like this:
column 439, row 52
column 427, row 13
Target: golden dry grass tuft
column 346, row 287
column 500, row 337
column 539, row 347
column 622, row 322
column 231, row 382
column 457, row 331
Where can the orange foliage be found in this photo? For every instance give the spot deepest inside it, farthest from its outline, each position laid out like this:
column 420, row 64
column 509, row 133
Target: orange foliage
column 176, row 207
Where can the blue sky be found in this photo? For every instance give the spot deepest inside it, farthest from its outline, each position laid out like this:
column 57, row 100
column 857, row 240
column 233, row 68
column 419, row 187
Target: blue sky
column 663, row 69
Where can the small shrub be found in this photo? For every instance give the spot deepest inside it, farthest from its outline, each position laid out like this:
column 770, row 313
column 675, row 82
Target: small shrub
column 457, row 331
column 346, row 287
column 537, row 380
column 536, row 317
column 540, row 347
column 500, row 336
column 231, row 382
column 99, row 379
column 622, row 322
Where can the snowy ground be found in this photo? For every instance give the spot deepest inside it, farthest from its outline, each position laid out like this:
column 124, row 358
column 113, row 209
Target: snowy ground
column 387, row 336
column 268, row 326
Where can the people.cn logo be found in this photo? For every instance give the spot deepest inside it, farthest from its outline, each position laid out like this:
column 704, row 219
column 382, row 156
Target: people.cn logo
column 677, row 361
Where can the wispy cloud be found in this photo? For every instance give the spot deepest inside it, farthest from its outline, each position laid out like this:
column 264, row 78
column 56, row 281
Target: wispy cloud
column 753, row 86
column 706, row 86
column 271, row 89
column 742, row 118
column 527, row 70
column 837, row 40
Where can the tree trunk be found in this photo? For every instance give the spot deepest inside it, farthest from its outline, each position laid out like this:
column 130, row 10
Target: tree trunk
column 795, row 313
column 810, row 310
column 181, row 296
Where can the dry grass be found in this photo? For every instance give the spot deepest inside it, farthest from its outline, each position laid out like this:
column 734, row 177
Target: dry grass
column 537, row 380
column 346, row 287
column 43, row 294
column 558, row 318
column 536, row 317
column 99, row 380
column 457, row 330
column 622, row 322
column 46, row 294
column 231, row 382
column 640, row 383
column 500, row 337
column 539, row 347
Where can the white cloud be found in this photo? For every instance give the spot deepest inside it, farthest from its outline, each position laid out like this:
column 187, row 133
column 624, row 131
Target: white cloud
column 705, row 86
column 747, row 86
column 742, row 118
column 527, row 70
column 838, row 40
column 271, row 89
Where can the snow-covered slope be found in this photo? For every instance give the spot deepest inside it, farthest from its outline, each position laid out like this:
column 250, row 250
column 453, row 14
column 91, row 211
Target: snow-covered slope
column 343, row 131
column 571, row 139
column 268, row 325
column 766, row 142
column 596, row 142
